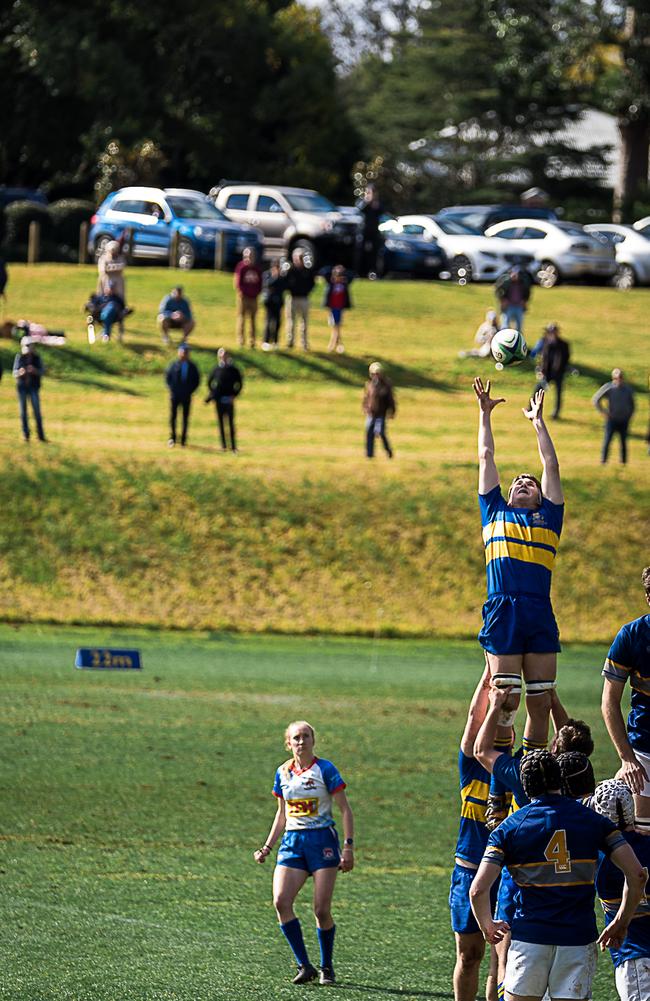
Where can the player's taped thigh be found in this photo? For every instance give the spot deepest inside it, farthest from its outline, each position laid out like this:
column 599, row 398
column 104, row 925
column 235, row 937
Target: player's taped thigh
column 512, row 681
column 540, row 687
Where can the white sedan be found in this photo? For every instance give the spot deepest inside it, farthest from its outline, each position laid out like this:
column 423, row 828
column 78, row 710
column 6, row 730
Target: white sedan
column 632, row 248
column 561, row 249
column 471, row 256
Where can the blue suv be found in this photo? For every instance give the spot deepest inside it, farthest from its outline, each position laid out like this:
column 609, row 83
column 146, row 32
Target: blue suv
column 153, row 215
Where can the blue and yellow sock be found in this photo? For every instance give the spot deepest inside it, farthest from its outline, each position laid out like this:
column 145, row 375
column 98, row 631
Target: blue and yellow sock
column 532, row 745
column 501, row 991
column 293, row 934
column 326, row 943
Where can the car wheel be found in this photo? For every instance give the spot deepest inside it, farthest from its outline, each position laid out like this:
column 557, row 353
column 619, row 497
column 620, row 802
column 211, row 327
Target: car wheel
column 461, row 270
column 309, row 251
column 185, row 255
column 625, row 276
column 101, row 244
column 548, row 274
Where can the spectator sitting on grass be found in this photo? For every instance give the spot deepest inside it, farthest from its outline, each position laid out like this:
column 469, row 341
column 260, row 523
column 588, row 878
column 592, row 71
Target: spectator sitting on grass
column 483, row 337
column 175, row 313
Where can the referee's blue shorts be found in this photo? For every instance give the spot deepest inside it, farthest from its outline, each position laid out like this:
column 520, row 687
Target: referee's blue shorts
column 518, row 624
column 316, row 848
column 462, row 917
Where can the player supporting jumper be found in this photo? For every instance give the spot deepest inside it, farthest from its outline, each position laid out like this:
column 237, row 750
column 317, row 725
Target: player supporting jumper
column 305, row 787
column 472, row 839
column 629, row 657
column 551, row 848
column 521, row 536
column 631, row 960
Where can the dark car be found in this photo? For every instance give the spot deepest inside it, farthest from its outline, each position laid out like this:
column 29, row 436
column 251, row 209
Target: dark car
column 155, row 216
column 481, row 217
column 9, row 195
column 411, row 255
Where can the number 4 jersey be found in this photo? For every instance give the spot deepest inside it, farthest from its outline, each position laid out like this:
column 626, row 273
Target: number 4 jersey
column 551, row 850
column 307, row 793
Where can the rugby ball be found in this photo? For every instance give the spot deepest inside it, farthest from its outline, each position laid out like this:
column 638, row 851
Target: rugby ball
column 508, row 346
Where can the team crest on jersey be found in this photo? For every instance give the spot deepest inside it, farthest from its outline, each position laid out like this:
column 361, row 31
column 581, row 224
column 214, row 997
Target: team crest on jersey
column 328, row 853
column 309, row 783
column 538, row 519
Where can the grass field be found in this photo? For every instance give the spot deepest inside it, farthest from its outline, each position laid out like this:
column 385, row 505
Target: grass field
column 299, row 533
column 133, row 802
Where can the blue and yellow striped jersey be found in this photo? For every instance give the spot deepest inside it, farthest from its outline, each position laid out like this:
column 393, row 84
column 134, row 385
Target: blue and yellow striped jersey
column 609, row 887
column 474, row 789
column 551, row 849
column 520, row 544
column 629, row 657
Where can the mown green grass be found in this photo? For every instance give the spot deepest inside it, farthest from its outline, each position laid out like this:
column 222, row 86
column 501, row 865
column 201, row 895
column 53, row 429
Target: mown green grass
column 133, row 802
column 299, row 533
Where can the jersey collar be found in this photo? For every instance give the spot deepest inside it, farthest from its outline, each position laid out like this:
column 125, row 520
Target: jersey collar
column 301, row 771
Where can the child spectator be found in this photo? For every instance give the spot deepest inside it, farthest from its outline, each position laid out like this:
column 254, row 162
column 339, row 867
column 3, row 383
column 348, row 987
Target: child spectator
column 483, row 337
column 273, row 286
column 336, row 299
column 378, row 405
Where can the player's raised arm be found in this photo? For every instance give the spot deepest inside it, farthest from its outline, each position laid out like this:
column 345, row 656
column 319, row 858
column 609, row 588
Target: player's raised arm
column 551, row 484
column 488, row 476
column 476, row 714
column 499, row 714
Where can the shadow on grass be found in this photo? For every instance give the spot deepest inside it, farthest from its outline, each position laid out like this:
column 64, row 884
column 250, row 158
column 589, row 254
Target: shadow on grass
column 106, row 387
column 80, row 360
column 346, row 370
column 394, row 991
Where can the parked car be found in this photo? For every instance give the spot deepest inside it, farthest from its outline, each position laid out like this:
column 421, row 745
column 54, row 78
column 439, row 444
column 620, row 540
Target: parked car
column 9, row 195
column 481, row 217
column 561, row 249
column 470, row 255
column 411, row 255
column 291, row 218
column 154, row 215
column 632, row 248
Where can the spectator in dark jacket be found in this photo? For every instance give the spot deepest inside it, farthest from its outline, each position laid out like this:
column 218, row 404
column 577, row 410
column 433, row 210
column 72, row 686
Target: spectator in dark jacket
column 618, row 413
column 553, row 363
column 248, row 285
column 299, row 282
column 372, row 240
column 225, row 384
column 273, row 286
column 336, row 299
column 512, row 290
column 4, row 278
column 378, row 405
column 28, row 371
column 182, row 378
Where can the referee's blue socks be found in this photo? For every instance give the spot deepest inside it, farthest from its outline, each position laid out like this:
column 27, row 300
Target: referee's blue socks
column 293, row 934
column 326, row 943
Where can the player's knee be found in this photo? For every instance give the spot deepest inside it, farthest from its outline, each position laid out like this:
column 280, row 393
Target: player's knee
column 470, row 954
column 282, row 901
column 322, row 912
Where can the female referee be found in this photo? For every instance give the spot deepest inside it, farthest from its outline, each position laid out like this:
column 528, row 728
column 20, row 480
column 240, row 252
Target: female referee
column 521, row 536
column 305, row 787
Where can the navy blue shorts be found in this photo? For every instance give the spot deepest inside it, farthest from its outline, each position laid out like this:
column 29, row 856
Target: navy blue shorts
column 309, row 850
column 518, row 624
column 462, row 917
column 336, row 316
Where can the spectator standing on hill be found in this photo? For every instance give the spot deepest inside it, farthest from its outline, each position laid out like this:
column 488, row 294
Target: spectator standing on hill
column 371, row 239
column 300, row 281
column 248, row 285
column 182, row 378
column 553, row 363
column 111, row 279
column 175, row 313
column 28, row 372
column 512, row 290
column 225, row 384
column 378, row 406
column 4, row 278
column 618, row 413
column 336, row 299
column 273, row 286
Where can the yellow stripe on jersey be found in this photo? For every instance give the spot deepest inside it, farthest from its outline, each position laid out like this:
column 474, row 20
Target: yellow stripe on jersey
column 473, row 811
column 502, row 549
column 474, row 800
column 640, row 684
column 525, row 533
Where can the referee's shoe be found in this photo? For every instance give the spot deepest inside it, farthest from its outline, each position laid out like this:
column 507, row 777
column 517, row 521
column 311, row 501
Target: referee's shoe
column 305, row 974
column 326, row 976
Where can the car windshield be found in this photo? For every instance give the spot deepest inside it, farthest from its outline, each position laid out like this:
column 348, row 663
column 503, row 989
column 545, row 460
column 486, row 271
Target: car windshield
column 453, row 227
column 474, row 220
column 310, row 202
column 185, row 207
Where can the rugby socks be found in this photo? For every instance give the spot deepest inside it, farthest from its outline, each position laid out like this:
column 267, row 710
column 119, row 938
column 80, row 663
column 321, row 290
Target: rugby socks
column 501, row 991
column 293, row 934
column 532, row 745
column 326, row 943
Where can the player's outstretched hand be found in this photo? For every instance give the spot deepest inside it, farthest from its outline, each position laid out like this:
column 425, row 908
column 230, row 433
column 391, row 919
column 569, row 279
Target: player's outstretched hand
column 485, row 402
column 495, row 931
column 534, row 411
column 613, row 936
column 634, row 775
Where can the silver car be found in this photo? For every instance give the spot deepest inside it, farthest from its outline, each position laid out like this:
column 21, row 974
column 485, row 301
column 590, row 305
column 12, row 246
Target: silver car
column 563, row 250
column 632, row 248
